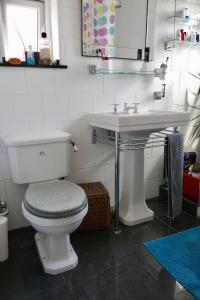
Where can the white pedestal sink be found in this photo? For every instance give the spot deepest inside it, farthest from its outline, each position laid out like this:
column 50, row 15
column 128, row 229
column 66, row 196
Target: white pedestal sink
column 132, row 208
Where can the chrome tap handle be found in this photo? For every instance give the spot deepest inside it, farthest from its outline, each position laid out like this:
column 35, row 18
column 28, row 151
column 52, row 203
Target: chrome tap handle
column 135, row 106
column 125, row 106
column 114, row 108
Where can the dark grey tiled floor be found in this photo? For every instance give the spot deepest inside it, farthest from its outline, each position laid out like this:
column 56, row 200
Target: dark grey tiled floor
column 110, row 267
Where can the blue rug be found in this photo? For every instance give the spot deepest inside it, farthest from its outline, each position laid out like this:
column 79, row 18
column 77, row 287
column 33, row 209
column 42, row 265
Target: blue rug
column 179, row 255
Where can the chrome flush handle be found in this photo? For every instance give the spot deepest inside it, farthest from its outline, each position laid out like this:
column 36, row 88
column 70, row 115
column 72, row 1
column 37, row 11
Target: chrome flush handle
column 74, row 146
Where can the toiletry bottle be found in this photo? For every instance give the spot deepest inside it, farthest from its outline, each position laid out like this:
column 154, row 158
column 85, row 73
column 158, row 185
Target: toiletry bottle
column 185, row 14
column 147, row 54
column 139, row 54
column 178, row 35
column 182, row 35
column 30, row 56
column 192, row 37
column 197, row 37
column 163, row 70
column 45, row 53
column 188, row 36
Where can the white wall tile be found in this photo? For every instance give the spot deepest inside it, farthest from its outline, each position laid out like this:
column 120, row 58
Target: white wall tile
column 84, row 158
column 102, row 102
column 153, row 168
column 3, row 191
column 71, row 3
column 12, row 81
column 86, row 132
column 70, row 22
column 41, row 126
column 179, row 99
column 6, row 109
column 79, row 106
column 27, row 108
column 7, row 129
column 55, row 107
column 152, row 188
column 180, row 60
column 86, row 175
column 39, row 81
column 4, row 166
column 64, row 78
column 73, row 127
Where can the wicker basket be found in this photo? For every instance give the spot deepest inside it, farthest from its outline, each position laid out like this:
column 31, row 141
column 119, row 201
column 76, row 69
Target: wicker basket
column 98, row 216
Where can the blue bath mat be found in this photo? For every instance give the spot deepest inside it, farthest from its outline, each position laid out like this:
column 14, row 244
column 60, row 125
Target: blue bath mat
column 179, row 255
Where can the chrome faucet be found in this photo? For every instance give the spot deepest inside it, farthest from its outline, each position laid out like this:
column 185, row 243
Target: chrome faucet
column 133, row 107
column 114, row 108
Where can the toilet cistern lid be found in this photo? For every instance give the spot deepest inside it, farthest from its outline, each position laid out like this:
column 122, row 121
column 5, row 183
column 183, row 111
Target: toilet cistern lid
column 37, row 137
column 55, row 199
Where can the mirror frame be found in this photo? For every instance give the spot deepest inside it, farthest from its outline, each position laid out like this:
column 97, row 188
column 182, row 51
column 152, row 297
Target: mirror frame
column 149, row 35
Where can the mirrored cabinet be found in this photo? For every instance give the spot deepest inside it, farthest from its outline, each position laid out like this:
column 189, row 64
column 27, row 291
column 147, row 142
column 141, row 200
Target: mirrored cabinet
column 118, row 29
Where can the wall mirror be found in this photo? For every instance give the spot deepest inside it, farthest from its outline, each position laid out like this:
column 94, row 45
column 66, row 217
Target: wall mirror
column 21, row 25
column 118, row 28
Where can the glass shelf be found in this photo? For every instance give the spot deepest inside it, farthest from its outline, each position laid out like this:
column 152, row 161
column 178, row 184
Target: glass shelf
column 186, row 1
column 169, row 45
column 93, row 70
column 184, row 21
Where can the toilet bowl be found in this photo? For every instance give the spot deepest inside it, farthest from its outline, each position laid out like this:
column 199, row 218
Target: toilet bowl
column 54, row 207
column 54, row 221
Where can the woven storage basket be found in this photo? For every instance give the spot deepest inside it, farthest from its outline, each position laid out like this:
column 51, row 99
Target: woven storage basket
column 98, row 216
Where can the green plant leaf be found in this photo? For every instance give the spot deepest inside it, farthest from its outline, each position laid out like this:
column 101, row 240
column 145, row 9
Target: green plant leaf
column 196, row 133
column 197, row 76
column 195, row 118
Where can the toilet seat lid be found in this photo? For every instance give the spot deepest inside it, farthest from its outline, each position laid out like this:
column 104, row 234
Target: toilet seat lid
column 57, row 199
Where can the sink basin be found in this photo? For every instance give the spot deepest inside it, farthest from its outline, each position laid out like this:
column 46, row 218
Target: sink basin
column 133, row 209
column 144, row 120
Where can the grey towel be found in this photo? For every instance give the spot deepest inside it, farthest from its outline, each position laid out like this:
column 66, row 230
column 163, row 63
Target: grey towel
column 175, row 154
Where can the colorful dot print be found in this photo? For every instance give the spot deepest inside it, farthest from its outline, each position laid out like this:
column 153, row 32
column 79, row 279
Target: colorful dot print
column 98, row 25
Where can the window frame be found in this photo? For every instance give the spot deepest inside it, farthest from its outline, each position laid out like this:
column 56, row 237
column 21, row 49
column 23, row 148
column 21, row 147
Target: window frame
column 38, row 4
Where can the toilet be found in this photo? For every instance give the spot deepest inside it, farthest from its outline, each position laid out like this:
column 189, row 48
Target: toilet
column 54, row 207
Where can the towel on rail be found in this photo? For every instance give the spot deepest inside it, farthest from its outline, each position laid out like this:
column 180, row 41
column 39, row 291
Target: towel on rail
column 174, row 152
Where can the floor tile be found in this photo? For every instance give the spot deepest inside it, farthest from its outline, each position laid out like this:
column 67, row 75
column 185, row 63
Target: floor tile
column 110, row 267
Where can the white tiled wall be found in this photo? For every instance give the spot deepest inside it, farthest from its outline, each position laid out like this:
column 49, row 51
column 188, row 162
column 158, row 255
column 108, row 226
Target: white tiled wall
column 35, row 99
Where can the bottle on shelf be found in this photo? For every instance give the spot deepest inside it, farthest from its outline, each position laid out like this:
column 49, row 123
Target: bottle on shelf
column 192, row 37
column 178, row 35
column 30, row 56
column 45, row 52
column 197, row 37
column 182, row 35
column 186, row 14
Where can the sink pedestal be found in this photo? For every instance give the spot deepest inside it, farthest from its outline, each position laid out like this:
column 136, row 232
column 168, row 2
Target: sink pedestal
column 133, row 208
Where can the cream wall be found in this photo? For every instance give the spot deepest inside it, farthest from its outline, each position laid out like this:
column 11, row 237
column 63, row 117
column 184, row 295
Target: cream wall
column 35, row 99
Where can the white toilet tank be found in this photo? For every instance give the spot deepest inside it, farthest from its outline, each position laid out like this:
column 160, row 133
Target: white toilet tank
column 38, row 156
